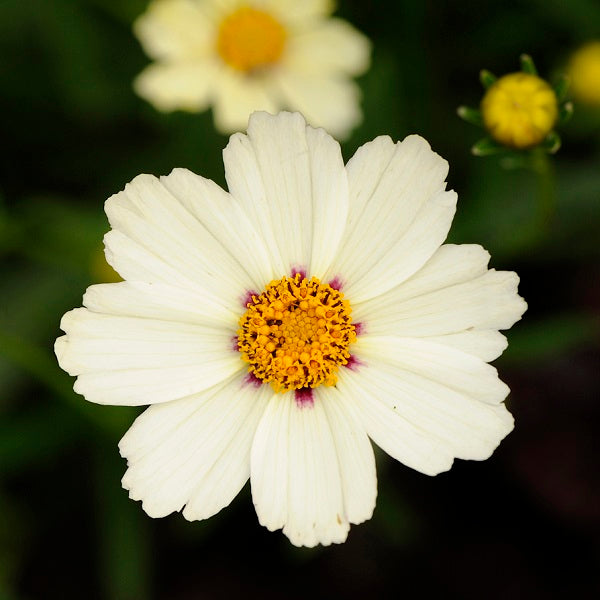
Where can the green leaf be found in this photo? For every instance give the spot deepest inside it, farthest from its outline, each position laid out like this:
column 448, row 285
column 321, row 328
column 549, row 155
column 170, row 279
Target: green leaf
column 470, row 115
column 565, row 112
column 561, row 88
column 552, row 143
column 527, row 64
column 486, row 147
column 487, row 79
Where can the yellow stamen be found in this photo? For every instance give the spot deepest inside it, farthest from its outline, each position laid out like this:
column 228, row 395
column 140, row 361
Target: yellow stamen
column 296, row 333
column 519, row 110
column 249, row 39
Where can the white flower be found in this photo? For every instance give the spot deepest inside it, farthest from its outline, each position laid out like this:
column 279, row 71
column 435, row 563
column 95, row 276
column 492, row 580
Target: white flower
column 245, row 55
column 221, row 307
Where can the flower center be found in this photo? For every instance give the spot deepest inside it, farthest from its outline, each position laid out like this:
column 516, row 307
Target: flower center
column 250, row 39
column 296, row 333
column 519, row 110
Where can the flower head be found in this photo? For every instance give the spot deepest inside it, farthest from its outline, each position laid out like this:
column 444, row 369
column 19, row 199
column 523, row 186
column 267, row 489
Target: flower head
column 275, row 328
column 584, row 73
column 240, row 56
column 519, row 110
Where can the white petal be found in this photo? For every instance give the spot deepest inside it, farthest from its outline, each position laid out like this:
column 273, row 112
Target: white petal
column 291, row 181
column 177, row 86
column 450, row 264
column 280, row 161
column 224, row 218
column 329, row 199
column 421, row 422
column 194, row 451
column 486, row 344
column 297, row 13
column 388, row 428
column 162, row 232
column 409, row 253
column 355, row 454
column 296, row 482
column 332, row 47
column 399, row 215
column 489, row 301
column 325, row 101
column 174, row 29
column 159, row 301
column 85, row 324
column 237, row 96
column 269, row 464
column 134, row 361
column 448, row 366
column 134, row 262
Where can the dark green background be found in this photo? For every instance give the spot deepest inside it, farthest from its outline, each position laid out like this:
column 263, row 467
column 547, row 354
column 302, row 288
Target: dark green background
column 524, row 524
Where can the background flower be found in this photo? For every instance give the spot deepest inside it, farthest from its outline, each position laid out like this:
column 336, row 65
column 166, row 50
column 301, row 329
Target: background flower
column 74, row 132
column 241, row 56
column 584, row 72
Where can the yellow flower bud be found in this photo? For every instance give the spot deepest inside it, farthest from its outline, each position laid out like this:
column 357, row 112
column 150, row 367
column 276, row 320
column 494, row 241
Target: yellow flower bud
column 519, row 110
column 584, row 73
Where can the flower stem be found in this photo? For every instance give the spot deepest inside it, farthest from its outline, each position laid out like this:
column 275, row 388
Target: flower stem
column 542, row 166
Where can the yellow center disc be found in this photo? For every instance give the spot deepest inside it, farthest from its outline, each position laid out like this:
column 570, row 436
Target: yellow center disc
column 296, row 333
column 249, row 39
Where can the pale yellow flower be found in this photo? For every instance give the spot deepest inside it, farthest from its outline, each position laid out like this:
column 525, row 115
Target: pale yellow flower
column 239, row 56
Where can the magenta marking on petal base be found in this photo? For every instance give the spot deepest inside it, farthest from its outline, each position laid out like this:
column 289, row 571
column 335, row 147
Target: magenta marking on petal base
column 299, row 271
column 234, row 343
column 248, row 298
column 336, row 283
column 359, row 328
column 253, row 380
column 353, row 363
column 304, row 398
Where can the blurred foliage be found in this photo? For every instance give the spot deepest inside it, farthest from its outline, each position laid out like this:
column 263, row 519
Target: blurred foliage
column 74, row 133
